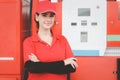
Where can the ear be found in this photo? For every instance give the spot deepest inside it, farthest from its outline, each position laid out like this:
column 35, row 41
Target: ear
column 56, row 22
column 36, row 17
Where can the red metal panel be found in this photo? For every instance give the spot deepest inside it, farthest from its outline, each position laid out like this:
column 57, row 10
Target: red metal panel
column 34, row 6
column 8, row 79
column 10, row 36
column 95, row 68
column 113, row 43
column 58, row 19
column 113, row 24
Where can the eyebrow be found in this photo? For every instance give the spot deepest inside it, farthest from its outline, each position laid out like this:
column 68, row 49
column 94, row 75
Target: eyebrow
column 51, row 14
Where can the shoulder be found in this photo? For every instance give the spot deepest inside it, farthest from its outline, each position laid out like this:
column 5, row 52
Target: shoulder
column 27, row 40
column 62, row 38
column 32, row 38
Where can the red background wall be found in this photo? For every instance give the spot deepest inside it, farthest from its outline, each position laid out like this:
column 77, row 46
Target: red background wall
column 96, row 68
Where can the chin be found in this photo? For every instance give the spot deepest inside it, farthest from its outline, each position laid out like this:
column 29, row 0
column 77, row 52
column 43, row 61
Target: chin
column 48, row 26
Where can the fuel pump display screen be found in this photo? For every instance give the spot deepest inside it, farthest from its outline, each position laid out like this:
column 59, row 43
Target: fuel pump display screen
column 83, row 11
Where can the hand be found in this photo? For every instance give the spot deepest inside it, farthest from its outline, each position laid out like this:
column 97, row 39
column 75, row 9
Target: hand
column 71, row 61
column 33, row 57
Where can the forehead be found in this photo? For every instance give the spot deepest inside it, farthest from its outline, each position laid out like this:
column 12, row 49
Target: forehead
column 48, row 13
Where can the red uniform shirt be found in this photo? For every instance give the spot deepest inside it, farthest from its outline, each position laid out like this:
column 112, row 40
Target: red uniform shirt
column 59, row 50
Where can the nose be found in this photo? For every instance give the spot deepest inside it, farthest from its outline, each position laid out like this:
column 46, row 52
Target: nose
column 48, row 18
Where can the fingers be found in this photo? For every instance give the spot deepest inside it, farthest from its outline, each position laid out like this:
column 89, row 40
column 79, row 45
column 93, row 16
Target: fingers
column 72, row 62
column 33, row 57
column 75, row 64
column 73, row 59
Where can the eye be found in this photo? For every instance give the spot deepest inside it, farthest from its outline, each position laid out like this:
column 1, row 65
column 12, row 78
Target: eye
column 44, row 15
column 48, row 14
column 51, row 15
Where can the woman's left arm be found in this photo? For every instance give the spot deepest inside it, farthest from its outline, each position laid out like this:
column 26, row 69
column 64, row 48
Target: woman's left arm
column 57, row 67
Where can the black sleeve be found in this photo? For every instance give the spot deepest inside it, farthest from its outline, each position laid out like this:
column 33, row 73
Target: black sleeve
column 56, row 67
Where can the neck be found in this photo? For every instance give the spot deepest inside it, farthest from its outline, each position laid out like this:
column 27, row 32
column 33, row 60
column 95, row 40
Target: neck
column 44, row 33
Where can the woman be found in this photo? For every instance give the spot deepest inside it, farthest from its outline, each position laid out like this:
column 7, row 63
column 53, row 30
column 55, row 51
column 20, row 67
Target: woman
column 47, row 56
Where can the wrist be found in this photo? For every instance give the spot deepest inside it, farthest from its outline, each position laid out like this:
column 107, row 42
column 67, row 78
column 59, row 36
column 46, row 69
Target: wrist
column 65, row 63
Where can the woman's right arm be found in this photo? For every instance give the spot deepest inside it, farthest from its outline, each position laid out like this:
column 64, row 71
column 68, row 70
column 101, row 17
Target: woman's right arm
column 57, row 67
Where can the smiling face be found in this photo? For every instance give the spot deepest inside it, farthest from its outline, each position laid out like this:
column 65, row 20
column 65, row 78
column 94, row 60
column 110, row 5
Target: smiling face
column 45, row 20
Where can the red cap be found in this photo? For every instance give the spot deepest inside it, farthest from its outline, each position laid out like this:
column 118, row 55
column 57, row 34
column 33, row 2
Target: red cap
column 46, row 6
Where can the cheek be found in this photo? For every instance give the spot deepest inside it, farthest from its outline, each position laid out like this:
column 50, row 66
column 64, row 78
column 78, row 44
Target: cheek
column 41, row 21
column 53, row 20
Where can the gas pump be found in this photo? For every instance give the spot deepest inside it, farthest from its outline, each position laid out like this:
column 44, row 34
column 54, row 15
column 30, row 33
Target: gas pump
column 84, row 25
